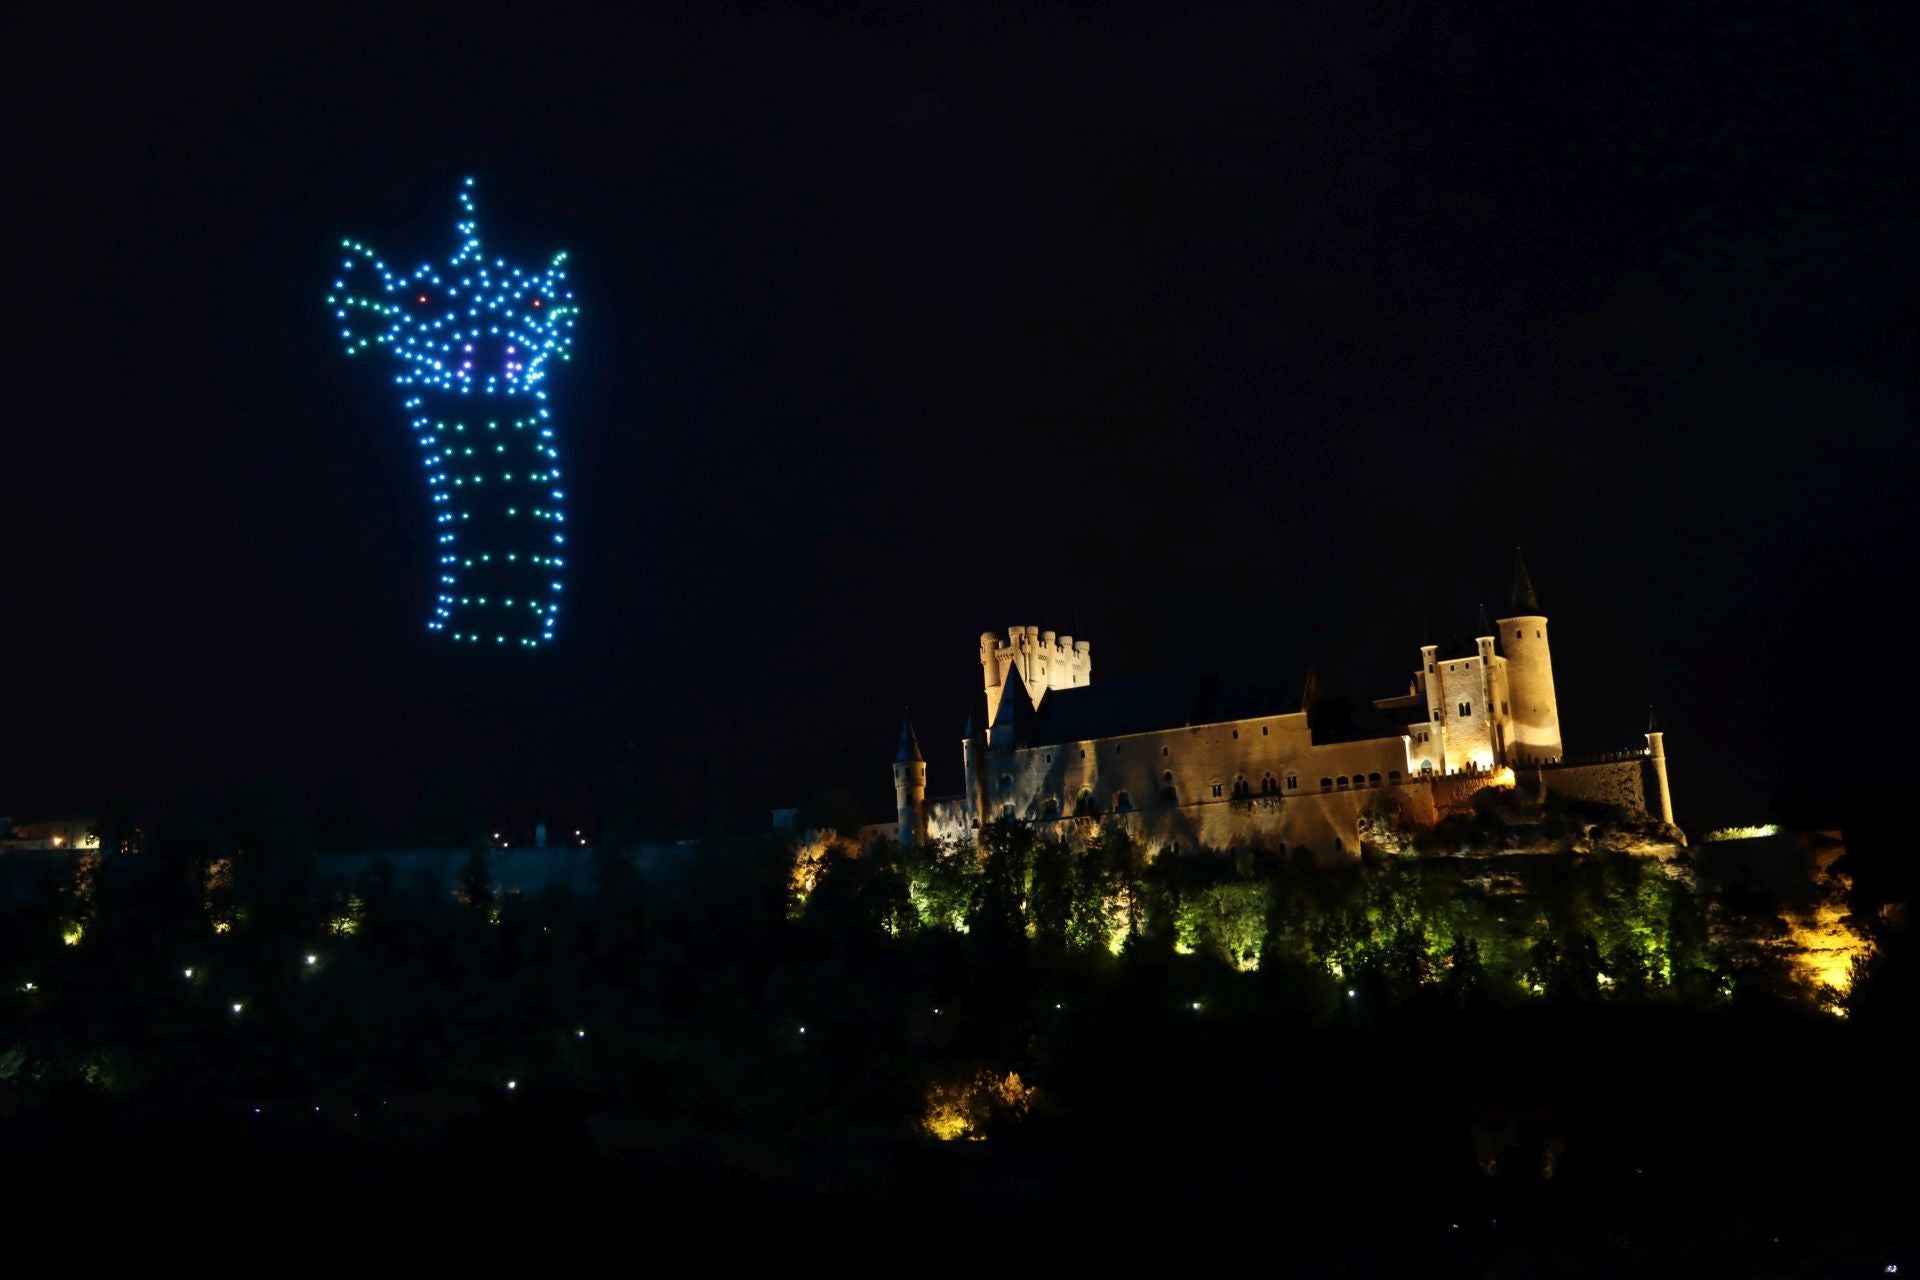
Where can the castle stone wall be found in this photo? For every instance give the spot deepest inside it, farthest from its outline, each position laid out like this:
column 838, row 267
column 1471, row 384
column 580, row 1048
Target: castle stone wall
column 1620, row 784
column 1131, row 773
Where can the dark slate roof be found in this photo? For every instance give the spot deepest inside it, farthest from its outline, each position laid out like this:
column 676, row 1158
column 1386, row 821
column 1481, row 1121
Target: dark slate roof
column 1404, row 709
column 1525, row 602
column 909, row 742
column 1015, row 712
column 1351, row 720
column 1144, row 704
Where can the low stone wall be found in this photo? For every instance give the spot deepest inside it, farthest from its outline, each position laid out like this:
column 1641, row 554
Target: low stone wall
column 1620, row 784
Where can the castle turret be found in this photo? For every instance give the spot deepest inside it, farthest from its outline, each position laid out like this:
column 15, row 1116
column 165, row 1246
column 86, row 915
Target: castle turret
column 910, row 784
column 1657, row 760
column 1494, row 690
column 1523, row 639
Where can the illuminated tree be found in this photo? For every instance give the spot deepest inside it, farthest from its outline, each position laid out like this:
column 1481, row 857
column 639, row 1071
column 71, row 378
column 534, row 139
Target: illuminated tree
column 472, row 340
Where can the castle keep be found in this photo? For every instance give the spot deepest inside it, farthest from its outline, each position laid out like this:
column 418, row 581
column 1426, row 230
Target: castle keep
column 1202, row 761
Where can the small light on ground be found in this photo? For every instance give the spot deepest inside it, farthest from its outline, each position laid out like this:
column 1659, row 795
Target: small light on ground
column 1196, row 1006
column 1352, row 994
column 26, row 986
column 236, row 1006
column 803, row 1031
column 313, row 959
column 512, row 1085
column 186, row 973
column 580, row 1034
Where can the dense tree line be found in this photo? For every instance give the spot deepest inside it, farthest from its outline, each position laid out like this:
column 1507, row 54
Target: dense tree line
column 1194, row 1004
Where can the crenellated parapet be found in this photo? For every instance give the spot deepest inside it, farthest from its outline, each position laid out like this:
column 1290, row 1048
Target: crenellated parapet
column 1046, row 660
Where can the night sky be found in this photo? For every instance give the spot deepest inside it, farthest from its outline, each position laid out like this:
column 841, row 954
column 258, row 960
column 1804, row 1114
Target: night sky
column 1219, row 338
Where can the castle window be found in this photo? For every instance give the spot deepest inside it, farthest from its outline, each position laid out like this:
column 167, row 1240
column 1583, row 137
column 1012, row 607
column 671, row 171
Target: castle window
column 1431, row 665
column 1240, row 789
column 1341, row 782
column 1006, row 782
column 1326, row 784
column 1006, row 813
column 1293, row 782
column 1263, row 731
column 1236, row 735
column 1051, row 808
column 1516, row 633
column 1085, row 807
column 1373, row 779
column 1436, row 715
column 1536, row 635
column 1049, row 757
column 1163, row 751
column 1169, row 796
column 1122, row 802
column 1083, row 753
column 1216, row 791
column 1269, row 784
column 1426, row 766
column 1393, row 775
column 1466, row 708
column 1503, row 708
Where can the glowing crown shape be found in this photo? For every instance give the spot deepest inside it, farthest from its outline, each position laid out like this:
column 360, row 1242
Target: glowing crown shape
column 473, row 341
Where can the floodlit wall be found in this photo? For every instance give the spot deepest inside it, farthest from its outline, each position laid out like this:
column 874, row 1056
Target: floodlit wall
column 1620, row 783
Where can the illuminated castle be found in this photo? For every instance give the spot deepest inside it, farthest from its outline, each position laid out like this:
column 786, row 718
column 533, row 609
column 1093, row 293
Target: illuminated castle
column 1199, row 761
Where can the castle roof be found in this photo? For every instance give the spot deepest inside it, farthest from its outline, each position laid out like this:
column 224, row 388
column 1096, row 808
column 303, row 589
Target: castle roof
column 1525, row 603
column 1015, row 714
column 1144, row 704
column 909, row 751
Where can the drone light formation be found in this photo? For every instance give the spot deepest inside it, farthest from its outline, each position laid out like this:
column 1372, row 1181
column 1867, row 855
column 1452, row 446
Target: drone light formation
column 472, row 340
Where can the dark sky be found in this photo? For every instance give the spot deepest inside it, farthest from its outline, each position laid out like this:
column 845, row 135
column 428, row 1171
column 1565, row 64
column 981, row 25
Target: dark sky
column 1219, row 338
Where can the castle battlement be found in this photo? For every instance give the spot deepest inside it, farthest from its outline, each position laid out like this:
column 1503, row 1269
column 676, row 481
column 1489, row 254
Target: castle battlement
column 1046, row 660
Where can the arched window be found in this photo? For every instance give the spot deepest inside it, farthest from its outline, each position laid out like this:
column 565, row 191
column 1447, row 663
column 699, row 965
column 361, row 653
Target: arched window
column 1341, row 782
column 1373, row 779
column 1326, row 784
column 1051, row 809
column 1269, row 785
column 1393, row 775
column 1122, row 802
column 1085, row 807
column 1167, row 777
column 1006, row 783
column 1240, row 789
column 1168, row 795
column 1426, row 766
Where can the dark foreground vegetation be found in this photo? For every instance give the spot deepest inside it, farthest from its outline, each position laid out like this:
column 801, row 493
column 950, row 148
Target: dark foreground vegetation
column 1551, row 1066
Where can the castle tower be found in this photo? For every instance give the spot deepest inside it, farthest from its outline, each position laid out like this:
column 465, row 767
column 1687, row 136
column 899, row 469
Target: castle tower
column 1044, row 660
column 1523, row 639
column 910, row 784
column 1657, row 757
column 1493, row 684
